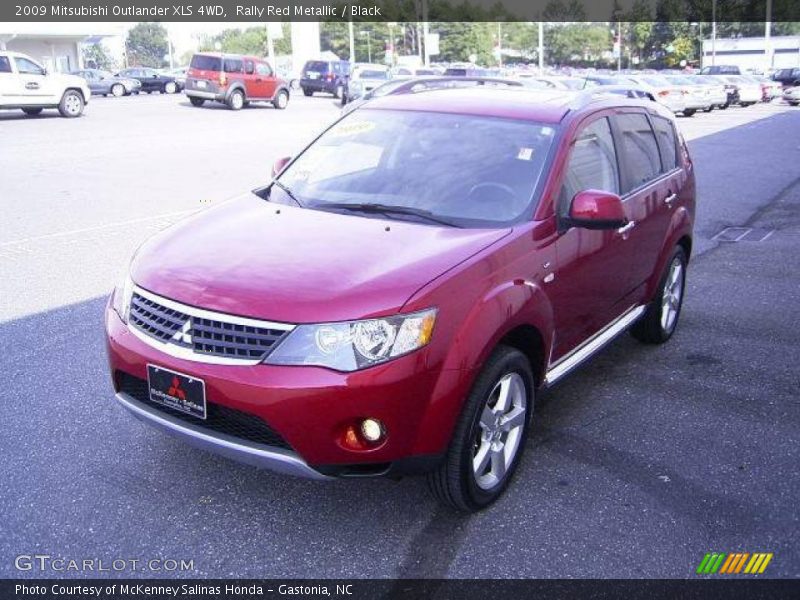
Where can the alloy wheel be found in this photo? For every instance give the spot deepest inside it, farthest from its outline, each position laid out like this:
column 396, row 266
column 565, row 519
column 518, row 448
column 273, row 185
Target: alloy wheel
column 671, row 298
column 72, row 104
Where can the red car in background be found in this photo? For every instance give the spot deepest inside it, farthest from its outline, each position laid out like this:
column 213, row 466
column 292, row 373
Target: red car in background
column 394, row 301
column 234, row 80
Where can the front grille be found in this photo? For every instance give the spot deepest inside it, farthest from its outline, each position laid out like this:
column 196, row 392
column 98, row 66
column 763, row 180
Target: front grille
column 220, row 419
column 210, row 337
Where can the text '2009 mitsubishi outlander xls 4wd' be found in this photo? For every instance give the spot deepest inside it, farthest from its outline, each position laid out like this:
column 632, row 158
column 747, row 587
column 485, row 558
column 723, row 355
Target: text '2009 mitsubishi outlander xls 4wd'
column 392, row 302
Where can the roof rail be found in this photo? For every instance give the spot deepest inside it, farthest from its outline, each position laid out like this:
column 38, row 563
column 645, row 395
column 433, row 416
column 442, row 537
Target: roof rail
column 423, row 84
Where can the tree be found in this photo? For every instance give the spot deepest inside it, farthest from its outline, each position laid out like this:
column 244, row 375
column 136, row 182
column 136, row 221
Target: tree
column 146, row 45
column 96, row 57
column 252, row 40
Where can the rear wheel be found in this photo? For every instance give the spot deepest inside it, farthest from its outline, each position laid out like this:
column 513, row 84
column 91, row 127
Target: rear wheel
column 170, row 87
column 281, row 100
column 709, row 109
column 32, row 112
column 307, row 92
column 236, row 100
column 661, row 317
column 71, row 104
column 689, row 112
column 117, row 90
column 197, row 101
column 490, row 435
column 725, row 106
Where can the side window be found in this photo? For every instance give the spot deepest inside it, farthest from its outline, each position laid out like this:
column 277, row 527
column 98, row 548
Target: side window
column 5, row 65
column 263, row 69
column 249, row 68
column 638, row 150
column 592, row 164
column 233, row 65
column 28, row 67
column 667, row 142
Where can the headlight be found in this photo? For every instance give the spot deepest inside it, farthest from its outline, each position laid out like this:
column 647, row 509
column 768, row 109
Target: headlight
column 122, row 297
column 354, row 345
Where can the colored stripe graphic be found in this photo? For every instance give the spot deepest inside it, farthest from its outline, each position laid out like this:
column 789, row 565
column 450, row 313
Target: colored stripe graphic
column 726, row 567
column 733, row 563
column 764, row 564
column 741, row 562
column 703, row 563
column 718, row 563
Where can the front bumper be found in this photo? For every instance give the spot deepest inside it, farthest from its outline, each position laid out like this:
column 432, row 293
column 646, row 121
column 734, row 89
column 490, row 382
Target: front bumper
column 308, row 407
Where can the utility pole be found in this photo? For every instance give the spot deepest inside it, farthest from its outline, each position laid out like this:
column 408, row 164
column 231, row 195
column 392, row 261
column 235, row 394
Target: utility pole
column 270, row 45
column 500, row 43
column 352, row 41
column 426, row 56
column 713, row 32
column 541, row 47
column 619, row 45
column 767, row 41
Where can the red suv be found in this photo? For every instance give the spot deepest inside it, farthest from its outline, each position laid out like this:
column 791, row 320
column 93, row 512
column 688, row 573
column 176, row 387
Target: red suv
column 234, row 80
column 394, row 300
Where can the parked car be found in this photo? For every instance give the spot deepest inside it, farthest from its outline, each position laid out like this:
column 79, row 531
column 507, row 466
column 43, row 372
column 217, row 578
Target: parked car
column 720, row 70
column 662, row 90
column 396, row 299
column 363, row 79
column 694, row 94
column 28, row 86
column 747, row 92
column 792, row 95
column 151, row 80
column 714, row 90
column 402, row 72
column 630, row 90
column 234, row 80
column 787, row 77
column 179, row 73
column 329, row 76
column 769, row 89
column 104, row 83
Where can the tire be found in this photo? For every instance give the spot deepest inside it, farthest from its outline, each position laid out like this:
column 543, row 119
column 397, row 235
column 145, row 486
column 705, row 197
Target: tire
column 480, row 430
column 689, row 112
column 170, row 87
column 656, row 325
column 236, row 100
column 197, row 101
column 32, row 112
column 725, row 106
column 117, row 90
column 281, row 100
column 71, row 104
column 793, row 103
column 307, row 92
column 709, row 109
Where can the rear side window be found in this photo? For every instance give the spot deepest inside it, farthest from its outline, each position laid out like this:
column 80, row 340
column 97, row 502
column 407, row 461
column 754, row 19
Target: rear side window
column 233, row 65
column 5, row 65
column 667, row 142
column 248, row 67
column 592, row 163
column 638, row 150
column 202, row 62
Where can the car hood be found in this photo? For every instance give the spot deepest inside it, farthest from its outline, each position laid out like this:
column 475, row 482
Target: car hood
column 65, row 79
column 253, row 258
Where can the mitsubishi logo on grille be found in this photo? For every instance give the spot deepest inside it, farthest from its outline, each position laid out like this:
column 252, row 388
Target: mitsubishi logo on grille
column 183, row 335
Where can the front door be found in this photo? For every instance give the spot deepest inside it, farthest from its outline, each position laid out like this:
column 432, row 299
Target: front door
column 263, row 83
column 34, row 86
column 591, row 276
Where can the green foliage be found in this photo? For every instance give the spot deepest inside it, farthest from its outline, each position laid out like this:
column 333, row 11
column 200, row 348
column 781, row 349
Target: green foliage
column 146, row 45
column 252, row 40
column 95, row 56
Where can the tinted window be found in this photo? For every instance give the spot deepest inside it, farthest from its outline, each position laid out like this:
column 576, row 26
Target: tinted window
column 248, row 67
column 592, row 163
column 471, row 170
column 317, row 66
column 206, row 63
column 639, row 150
column 5, row 65
column 233, row 65
column 28, row 66
column 667, row 142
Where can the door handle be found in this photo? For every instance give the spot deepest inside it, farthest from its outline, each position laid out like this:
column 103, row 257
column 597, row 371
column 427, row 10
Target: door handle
column 259, row 80
column 32, row 85
column 626, row 228
column 670, row 199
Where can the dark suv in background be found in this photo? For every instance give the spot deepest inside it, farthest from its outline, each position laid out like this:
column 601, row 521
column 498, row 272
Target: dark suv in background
column 787, row 77
column 328, row 76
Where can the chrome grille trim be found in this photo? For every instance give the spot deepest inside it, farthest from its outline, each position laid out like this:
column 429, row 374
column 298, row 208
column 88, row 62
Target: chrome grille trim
column 155, row 319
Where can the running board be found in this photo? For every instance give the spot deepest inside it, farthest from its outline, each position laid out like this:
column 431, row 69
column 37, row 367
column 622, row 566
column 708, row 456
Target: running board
column 592, row 345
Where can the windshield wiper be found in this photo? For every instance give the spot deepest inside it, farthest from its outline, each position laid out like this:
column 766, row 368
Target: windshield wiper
column 386, row 209
column 288, row 192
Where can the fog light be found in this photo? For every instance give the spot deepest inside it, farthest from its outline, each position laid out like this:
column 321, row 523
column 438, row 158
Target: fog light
column 372, row 430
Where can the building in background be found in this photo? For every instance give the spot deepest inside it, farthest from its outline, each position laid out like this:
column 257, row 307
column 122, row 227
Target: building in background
column 58, row 46
column 751, row 54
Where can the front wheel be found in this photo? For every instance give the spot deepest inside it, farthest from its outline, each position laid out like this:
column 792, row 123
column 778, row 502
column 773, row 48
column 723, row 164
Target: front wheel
column 170, row 87
column 117, row 90
column 490, row 434
column 71, row 104
column 661, row 317
column 281, row 100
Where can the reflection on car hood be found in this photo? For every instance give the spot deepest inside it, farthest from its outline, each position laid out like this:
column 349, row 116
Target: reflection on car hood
column 254, row 258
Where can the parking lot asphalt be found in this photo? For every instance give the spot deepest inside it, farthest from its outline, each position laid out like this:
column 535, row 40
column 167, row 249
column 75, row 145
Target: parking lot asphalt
column 639, row 464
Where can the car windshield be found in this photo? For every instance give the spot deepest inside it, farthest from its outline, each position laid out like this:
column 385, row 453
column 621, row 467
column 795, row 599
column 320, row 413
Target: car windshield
column 203, row 62
column 468, row 171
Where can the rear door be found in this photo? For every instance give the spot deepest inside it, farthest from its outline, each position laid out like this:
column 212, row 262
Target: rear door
column 651, row 181
column 592, row 278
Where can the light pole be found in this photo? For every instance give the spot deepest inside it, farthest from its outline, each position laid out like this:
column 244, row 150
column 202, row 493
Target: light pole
column 369, row 44
column 713, row 32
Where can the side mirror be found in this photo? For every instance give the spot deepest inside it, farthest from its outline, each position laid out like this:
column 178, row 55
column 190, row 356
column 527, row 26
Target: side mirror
column 595, row 209
column 279, row 165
